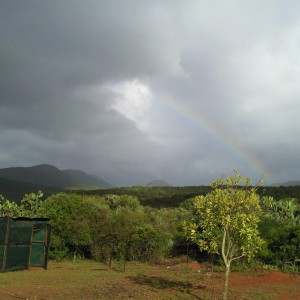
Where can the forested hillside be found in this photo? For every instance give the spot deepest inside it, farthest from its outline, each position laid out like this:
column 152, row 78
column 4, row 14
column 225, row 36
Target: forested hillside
column 155, row 196
column 169, row 196
column 48, row 175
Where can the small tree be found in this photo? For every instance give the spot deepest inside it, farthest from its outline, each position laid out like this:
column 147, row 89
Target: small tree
column 226, row 221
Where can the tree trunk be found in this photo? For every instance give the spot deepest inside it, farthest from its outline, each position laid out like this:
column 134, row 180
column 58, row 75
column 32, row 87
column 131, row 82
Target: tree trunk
column 226, row 281
column 226, row 262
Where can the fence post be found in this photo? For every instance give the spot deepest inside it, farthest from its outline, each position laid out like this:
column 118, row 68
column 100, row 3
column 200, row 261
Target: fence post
column 6, row 245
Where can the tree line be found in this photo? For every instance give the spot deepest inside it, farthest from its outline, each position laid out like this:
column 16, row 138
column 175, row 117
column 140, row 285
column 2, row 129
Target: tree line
column 112, row 227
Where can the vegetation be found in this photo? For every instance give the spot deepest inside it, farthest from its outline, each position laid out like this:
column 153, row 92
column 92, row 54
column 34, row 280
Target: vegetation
column 170, row 196
column 154, row 196
column 145, row 223
column 226, row 221
column 280, row 228
column 112, row 227
column 15, row 190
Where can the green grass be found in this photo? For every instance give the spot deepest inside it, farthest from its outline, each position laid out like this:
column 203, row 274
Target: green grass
column 92, row 280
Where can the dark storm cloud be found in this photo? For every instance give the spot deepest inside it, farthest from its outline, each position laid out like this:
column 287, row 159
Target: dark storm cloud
column 107, row 87
column 48, row 47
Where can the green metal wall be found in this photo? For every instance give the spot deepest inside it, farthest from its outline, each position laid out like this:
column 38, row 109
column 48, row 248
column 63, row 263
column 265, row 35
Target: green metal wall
column 24, row 243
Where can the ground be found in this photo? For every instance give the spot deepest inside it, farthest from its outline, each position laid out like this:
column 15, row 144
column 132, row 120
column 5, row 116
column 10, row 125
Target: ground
column 168, row 280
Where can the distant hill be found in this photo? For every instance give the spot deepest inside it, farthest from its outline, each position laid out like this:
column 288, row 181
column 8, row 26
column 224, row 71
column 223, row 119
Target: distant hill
column 48, row 175
column 85, row 179
column 41, row 174
column 158, row 183
column 288, row 183
column 14, row 190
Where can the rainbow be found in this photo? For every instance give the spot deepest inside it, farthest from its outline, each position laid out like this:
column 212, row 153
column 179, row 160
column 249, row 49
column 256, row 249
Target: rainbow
column 225, row 141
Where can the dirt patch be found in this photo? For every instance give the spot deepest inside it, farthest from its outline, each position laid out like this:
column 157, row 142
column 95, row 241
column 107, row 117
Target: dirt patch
column 195, row 266
column 264, row 284
column 259, row 278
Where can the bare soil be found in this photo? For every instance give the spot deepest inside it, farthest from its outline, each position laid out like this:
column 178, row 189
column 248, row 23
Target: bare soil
column 169, row 280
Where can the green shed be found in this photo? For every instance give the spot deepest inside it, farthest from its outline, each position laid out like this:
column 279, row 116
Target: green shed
column 24, row 243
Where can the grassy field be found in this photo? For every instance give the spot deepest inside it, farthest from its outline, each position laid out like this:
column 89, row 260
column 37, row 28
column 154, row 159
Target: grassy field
column 169, row 280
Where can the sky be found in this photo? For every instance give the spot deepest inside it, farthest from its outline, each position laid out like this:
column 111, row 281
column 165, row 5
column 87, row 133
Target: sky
column 136, row 90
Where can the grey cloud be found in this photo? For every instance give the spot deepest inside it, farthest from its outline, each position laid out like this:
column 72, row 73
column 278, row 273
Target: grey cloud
column 222, row 77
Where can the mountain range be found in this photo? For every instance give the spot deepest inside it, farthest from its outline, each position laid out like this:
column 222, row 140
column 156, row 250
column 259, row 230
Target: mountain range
column 51, row 176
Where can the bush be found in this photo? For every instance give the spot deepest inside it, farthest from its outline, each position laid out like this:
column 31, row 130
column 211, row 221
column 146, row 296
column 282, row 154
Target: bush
column 280, row 228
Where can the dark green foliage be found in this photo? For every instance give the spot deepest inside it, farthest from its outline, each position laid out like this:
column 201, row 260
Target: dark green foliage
column 282, row 247
column 158, row 196
column 126, row 234
column 280, row 192
column 14, row 190
column 143, row 223
column 155, row 196
column 72, row 218
column 169, row 196
column 280, row 228
column 106, row 228
column 148, row 243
